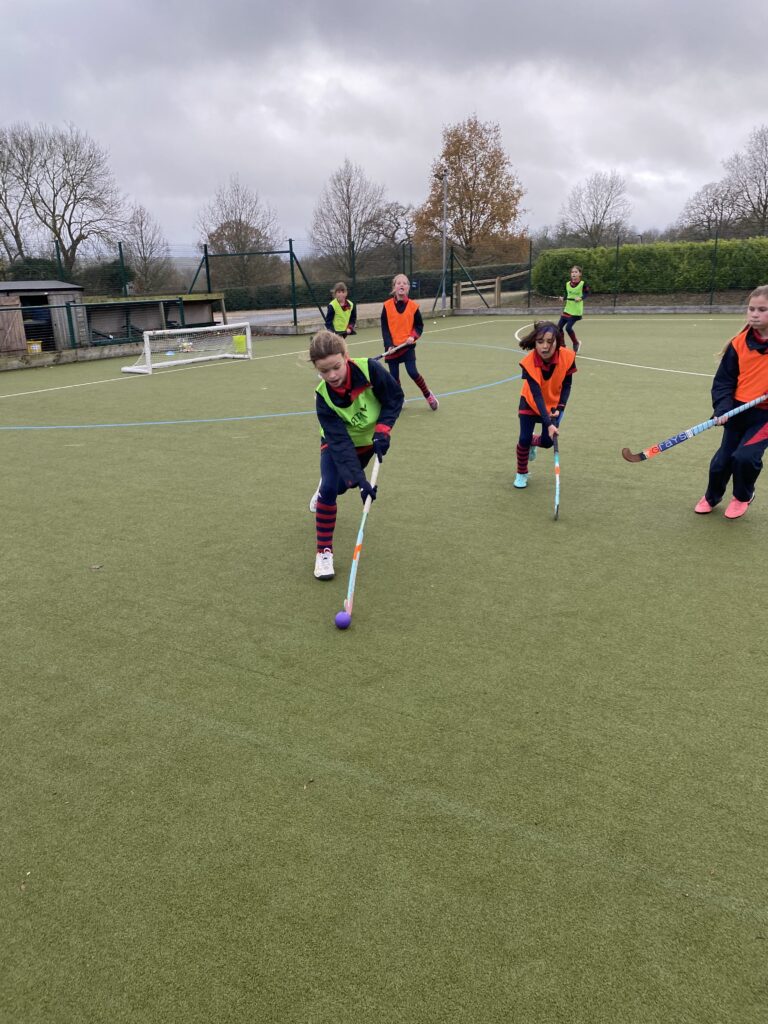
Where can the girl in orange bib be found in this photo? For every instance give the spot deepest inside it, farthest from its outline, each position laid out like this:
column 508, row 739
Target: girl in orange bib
column 401, row 326
column 547, row 373
column 741, row 376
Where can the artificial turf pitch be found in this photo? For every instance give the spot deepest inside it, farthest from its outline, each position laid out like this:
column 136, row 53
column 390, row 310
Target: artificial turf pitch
column 528, row 784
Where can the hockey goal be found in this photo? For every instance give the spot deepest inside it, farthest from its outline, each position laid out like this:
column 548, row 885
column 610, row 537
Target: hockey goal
column 192, row 345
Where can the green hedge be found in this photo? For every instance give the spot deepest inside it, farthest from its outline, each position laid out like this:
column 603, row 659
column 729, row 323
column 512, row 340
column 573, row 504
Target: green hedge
column 659, row 268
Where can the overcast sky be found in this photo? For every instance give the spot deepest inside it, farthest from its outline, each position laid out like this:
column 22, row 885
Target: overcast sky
column 185, row 93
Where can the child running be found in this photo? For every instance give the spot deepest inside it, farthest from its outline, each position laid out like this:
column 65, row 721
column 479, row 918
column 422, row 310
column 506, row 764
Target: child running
column 341, row 315
column 357, row 405
column 402, row 324
column 548, row 371
column 741, row 376
column 575, row 292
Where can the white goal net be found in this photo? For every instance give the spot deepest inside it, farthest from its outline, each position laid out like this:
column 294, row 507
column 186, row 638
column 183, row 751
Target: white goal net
column 192, row 345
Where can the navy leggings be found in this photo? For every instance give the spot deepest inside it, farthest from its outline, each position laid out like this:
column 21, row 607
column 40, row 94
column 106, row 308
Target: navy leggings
column 331, row 484
column 740, row 456
column 566, row 323
column 408, row 360
column 527, row 423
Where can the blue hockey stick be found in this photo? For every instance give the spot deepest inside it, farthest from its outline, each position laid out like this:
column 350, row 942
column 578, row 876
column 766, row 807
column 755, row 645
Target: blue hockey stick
column 663, row 446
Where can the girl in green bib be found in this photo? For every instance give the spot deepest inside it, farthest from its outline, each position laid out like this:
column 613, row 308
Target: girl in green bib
column 576, row 291
column 357, row 403
column 341, row 315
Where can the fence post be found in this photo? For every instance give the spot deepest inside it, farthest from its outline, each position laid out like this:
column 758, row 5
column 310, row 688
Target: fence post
column 450, row 279
column 293, row 285
column 714, row 273
column 121, row 258
column 71, row 326
column 530, row 269
column 207, row 269
column 616, row 272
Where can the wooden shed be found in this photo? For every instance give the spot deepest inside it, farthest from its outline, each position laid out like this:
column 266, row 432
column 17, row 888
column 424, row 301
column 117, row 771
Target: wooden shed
column 50, row 316
column 34, row 315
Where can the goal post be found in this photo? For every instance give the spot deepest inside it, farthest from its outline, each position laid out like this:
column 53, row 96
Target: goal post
column 185, row 345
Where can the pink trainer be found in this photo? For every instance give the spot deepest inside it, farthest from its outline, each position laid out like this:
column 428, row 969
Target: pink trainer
column 702, row 506
column 736, row 508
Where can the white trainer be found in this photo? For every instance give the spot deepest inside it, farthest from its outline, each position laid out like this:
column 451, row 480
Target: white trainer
column 313, row 499
column 324, row 565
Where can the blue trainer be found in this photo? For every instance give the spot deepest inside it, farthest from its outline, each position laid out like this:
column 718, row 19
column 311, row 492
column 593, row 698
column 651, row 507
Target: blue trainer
column 521, row 480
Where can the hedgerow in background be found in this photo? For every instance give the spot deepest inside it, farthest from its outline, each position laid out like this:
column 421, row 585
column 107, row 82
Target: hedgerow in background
column 657, row 268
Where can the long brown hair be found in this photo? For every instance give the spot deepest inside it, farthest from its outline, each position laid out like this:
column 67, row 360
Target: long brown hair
column 324, row 344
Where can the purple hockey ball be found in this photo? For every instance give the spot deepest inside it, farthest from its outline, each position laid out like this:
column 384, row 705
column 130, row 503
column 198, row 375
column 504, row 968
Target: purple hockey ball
column 343, row 620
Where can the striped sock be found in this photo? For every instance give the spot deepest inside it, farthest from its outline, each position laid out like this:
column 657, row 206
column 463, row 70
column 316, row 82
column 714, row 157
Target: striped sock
column 521, row 452
column 325, row 524
column 421, row 384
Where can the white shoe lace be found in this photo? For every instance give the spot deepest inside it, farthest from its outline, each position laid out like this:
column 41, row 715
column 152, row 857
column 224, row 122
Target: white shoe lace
column 324, row 563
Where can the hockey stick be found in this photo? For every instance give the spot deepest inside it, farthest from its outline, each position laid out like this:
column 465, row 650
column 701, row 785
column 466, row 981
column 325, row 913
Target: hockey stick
column 344, row 618
column 557, row 477
column 395, row 348
column 670, row 442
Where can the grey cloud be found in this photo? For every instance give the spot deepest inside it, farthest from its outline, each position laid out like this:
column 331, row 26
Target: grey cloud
column 184, row 93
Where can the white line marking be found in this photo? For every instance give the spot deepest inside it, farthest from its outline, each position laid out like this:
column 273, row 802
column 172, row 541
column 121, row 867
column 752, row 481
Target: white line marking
column 470, row 322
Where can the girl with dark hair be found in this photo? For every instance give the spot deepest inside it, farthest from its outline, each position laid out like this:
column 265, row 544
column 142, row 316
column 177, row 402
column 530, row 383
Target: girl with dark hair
column 547, row 373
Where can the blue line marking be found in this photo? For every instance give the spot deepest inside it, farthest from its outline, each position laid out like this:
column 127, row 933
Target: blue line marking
column 238, row 419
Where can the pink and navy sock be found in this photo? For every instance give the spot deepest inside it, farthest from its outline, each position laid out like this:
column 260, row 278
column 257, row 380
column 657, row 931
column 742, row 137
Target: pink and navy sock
column 325, row 524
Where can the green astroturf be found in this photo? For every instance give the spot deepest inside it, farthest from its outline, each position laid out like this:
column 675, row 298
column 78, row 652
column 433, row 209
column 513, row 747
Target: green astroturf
column 527, row 785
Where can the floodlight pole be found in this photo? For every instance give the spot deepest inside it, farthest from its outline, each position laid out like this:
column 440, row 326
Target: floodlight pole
column 444, row 176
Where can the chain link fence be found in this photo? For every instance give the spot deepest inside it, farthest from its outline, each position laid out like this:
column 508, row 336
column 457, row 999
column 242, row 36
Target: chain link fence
column 185, row 285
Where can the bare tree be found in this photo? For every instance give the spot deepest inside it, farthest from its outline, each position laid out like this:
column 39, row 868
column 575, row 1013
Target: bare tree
column 747, row 179
column 15, row 210
column 146, row 251
column 710, row 212
column 397, row 223
column 597, row 210
column 483, row 191
column 348, row 220
column 70, row 189
column 237, row 224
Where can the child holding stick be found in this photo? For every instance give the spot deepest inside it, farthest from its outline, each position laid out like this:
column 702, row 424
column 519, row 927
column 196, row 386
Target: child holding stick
column 357, row 404
column 401, row 326
column 576, row 290
column 548, row 371
column 741, row 376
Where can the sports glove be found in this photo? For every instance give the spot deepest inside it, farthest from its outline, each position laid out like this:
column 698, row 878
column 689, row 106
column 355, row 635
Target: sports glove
column 366, row 491
column 380, row 444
